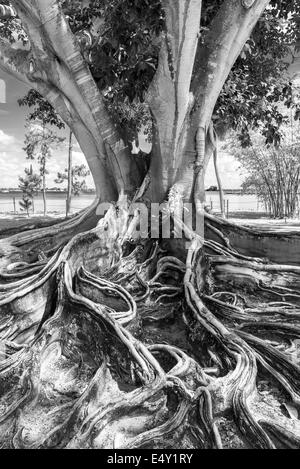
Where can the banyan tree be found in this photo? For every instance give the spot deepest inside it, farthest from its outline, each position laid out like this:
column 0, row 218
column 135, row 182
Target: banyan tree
column 111, row 337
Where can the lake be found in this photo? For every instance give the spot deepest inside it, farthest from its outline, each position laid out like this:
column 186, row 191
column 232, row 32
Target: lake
column 236, row 202
column 56, row 202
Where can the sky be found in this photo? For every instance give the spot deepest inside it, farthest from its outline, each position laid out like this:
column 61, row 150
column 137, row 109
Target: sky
column 12, row 134
column 13, row 158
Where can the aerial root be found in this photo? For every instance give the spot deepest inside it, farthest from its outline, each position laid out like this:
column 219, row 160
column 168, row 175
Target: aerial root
column 286, row 439
column 79, row 362
column 244, row 354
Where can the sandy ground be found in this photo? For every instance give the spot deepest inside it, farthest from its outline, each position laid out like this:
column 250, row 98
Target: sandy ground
column 267, row 224
column 15, row 223
column 264, row 223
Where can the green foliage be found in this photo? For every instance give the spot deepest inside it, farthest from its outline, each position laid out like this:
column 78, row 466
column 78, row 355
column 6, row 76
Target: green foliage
column 274, row 177
column 11, row 29
column 29, row 185
column 273, row 173
column 124, row 58
column 78, row 183
column 25, row 204
column 42, row 109
column 39, row 143
column 120, row 41
column 258, row 91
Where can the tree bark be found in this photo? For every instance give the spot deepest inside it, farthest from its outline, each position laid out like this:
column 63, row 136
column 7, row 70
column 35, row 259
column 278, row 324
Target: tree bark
column 44, row 195
column 214, row 139
column 70, row 175
column 144, row 343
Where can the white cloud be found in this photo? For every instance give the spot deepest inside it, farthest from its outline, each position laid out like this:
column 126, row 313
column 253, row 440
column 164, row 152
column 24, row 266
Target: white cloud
column 13, row 162
column 231, row 173
column 6, row 139
column 79, row 158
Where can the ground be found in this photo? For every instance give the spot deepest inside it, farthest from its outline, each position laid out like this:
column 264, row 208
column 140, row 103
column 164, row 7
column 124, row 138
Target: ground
column 187, row 358
column 12, row 224
column 264, row 222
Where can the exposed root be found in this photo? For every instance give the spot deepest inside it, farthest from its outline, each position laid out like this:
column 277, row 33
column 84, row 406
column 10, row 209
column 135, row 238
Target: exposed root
column 109, row 344
column 27, row 252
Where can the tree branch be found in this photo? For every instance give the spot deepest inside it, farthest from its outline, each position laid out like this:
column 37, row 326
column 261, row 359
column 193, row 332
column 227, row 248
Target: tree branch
column 58, row 63
column 169, row 94
column 219, row 50
column 216, row 56
column 178, row 49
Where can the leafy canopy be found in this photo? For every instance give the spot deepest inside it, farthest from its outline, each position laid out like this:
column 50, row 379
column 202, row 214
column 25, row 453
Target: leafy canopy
column 120, row 41
column 42, row 110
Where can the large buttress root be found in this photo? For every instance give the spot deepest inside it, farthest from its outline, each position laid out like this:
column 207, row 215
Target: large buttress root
column 109, row 344
column 28, row 252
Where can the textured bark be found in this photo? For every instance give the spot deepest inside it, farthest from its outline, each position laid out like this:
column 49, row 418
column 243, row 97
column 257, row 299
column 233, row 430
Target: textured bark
column 117, row 326
column 169, row 95
column 70, row 175
column 215, row 141
column 182, row 108
column 54, row 64
column 107, row 342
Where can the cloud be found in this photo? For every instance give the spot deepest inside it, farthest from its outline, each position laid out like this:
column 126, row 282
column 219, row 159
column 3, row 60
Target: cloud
column 13, row 162
column 79, row 158
column 231, row 173
column 6, row 139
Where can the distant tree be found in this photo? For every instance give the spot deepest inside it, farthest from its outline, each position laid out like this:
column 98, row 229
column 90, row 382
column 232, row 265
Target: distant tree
column 78, row 184
column 45, row 112
column 42, row 110
column 39, row 143
column 29, row 185
column 273, row 171
column 274, row 175
column 190, row 65
column 25, row 204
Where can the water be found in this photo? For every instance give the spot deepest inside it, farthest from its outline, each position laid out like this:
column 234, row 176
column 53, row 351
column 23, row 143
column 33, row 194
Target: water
column 56, row 202
column 236, row 202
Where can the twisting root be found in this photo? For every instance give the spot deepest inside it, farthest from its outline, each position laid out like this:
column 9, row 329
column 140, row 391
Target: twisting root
column 109, row 344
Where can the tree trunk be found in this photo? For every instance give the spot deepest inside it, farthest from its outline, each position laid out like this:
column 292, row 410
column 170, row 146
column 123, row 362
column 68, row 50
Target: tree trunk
column 111, row 340
column 70, row 175
column 219, row 181
column 44, row 195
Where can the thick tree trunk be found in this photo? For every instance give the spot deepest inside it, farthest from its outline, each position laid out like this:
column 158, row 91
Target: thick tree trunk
column 108, row 342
